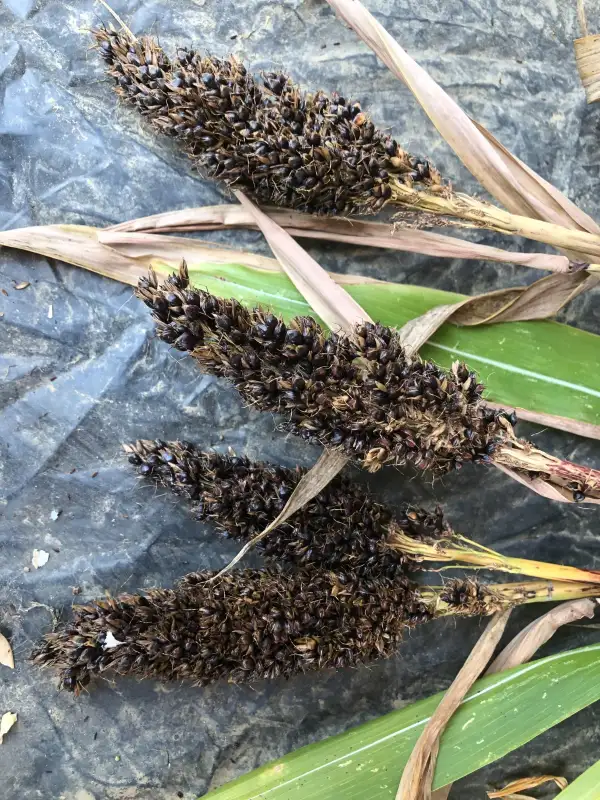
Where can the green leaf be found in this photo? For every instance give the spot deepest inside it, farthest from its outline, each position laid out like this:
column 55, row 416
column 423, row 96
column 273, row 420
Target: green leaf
column 585, row 787
column 501, row 713
column 541, row 366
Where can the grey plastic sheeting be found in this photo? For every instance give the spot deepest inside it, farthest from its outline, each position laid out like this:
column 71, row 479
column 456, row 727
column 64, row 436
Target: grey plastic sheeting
column 75, row 385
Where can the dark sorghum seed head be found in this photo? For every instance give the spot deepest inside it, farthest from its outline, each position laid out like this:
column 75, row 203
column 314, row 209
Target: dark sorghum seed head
column 342, row 528
column 248, row 625
column 367, row 396
column 286, row 147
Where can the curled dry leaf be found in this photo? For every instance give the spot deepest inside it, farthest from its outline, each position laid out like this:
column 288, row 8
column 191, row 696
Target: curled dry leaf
column 418, row 772
column 328, row 299
column 6, row 723
column 526, row 644
column 541, row 300
column 6, row 653
column 523, row 784
column 335, row 229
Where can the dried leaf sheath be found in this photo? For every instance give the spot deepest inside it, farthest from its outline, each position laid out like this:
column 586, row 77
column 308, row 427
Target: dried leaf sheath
column 360, row 392
column 305, row 151
column 342, row 528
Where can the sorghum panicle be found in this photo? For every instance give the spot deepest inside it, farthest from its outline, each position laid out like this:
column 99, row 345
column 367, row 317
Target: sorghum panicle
column 342, row 528
column 359, row 392
column 248, row 625
column 304, row 151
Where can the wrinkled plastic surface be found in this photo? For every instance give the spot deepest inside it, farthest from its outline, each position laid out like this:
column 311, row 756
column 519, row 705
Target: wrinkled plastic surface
column 80, row 373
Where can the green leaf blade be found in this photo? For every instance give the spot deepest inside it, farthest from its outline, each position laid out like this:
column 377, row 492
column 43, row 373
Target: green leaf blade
column 585, row 787
column 501, row 713
column 542, row 366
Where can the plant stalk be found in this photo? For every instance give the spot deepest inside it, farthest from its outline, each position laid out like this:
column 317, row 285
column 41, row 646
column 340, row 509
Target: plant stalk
column 568, row 480
column 485, row 215
column 485, row 599
column 462, row 551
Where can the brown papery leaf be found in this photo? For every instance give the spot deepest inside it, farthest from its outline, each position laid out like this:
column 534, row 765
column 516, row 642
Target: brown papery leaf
column 314, row 481
column 526, row 644
column 338, row 229
column 326, row 297
column 6, row 653
column 80, row 245
column 528, row 783
column 541, row 300
column 418, row 772
column 174, row 249
column 74, row 244
column 517, row 187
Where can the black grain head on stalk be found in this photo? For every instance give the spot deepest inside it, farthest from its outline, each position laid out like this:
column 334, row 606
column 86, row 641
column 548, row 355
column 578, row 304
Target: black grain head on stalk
column 255, row 624
column 360, row 392
column 249, row 625
column 311, row 152
column 342, row 528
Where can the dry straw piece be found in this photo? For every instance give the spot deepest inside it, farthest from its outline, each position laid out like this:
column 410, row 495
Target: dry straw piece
column 587, row 57
column 254, row 624
column 293, row 149
column 342, row 528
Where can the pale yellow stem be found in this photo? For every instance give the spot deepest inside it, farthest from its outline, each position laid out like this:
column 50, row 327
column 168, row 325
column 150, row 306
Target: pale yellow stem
column 491, row 217
column 461, row 551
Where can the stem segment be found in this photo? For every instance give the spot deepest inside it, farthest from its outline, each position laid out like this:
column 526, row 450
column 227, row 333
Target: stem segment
column 472, row 598
column 568, row 480
column 462, row 551
column 485, row 215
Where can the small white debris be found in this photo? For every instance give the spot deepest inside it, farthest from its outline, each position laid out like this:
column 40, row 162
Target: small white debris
column 6, row 653
column 40, row 557
column 55, row 514
column 6, row 723
column 110, row 641
column 50, row 311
